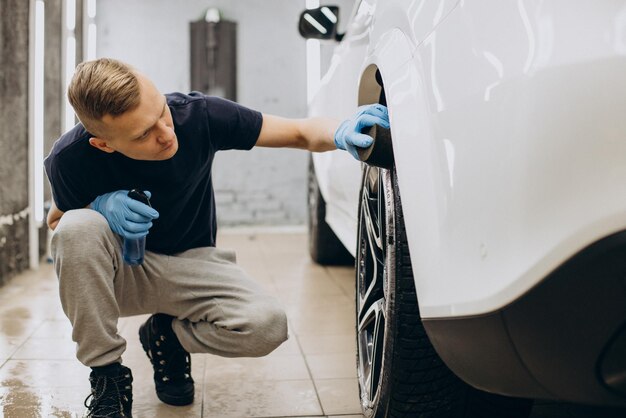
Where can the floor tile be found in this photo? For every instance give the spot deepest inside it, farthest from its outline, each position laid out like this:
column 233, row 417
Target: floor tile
column 345, row 279
column 8, row 346
column 289, row 347
column 41, row 402
column 54, row 328
column 18, row 328
column 322, row 290
column 319, row 304
column 285, row 367
column 44, row 374
column 128, row 326
column 338, row 396
column 146, row 404
column 332, row 366
column 31, row 295
column 321, row 324
column 328, row 344
column 46, row 349
column 284, row 243
column 260, row 399
column 336, row 311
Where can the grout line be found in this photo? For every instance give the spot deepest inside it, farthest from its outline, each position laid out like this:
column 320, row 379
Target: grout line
column 22, row 344
column 337, row 282
column 306, row 363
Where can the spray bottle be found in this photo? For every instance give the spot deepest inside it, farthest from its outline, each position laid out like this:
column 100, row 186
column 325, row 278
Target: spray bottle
column 134, row 249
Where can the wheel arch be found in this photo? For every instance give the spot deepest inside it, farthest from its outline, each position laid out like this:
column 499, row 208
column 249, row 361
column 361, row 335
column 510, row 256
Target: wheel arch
column 417, row 165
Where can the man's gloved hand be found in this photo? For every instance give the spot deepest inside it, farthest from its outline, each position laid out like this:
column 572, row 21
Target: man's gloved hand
column 127, row 217
column 349, row 135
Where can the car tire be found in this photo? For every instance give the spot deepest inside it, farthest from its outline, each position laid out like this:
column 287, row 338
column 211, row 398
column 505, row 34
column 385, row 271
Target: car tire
column 399, row 372
column 324, row 246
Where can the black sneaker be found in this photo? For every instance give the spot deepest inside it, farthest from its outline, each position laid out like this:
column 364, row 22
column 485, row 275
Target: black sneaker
column 111, row 392
column 171, row 362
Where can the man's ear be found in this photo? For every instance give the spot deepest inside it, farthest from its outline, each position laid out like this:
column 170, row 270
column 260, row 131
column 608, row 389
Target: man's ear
column 101, row 144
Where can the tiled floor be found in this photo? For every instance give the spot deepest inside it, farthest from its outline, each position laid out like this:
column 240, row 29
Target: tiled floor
column 311, row 375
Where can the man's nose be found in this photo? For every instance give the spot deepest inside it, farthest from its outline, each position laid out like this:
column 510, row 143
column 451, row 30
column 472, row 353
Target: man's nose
column 165, row 133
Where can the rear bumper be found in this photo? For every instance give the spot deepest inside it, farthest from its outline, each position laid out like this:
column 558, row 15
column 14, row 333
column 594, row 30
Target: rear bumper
column 564, row 339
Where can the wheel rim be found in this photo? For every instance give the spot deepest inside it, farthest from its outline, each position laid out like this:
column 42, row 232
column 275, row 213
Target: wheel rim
column 371, row 283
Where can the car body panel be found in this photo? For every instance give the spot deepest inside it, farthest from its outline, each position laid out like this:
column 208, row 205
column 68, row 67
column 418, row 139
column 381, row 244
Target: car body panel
column 526, row 148
column 508, row 131
column 338, row 175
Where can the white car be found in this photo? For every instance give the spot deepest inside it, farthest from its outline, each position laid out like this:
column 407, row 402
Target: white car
column 503, row 214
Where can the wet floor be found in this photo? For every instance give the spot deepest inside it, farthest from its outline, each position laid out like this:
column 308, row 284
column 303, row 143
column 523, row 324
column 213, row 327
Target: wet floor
column 311, row 375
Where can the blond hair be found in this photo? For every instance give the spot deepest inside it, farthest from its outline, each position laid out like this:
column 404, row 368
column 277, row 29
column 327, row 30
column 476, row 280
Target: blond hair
column 102, row 87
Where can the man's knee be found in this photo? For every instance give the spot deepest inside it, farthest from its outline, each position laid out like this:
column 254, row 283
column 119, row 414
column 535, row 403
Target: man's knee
column 79, row 225
column 79, row 231
column 268, row 328
column 254, row 330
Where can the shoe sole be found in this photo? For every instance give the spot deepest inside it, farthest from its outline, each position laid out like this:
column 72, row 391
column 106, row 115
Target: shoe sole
column 170, row 400
column 175, row 400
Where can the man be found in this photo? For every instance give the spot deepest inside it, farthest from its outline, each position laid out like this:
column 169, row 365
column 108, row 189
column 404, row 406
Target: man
column 131, row 136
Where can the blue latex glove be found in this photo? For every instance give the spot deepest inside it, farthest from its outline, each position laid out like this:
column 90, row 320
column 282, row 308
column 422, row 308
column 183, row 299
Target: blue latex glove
column 127, row 217
column 349, row 135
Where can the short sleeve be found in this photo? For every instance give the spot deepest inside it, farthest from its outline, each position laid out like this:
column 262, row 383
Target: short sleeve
column 68, row 189
column 231, row 125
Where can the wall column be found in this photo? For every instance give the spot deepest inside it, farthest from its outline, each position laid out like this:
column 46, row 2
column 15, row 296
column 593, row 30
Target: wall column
column 14, row 186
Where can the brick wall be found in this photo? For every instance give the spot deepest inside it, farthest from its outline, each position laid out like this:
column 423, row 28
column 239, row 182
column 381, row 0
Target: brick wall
column 260, row 187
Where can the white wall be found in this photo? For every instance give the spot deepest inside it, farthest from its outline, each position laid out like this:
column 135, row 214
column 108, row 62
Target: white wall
column 257, row 187
column 153, row 35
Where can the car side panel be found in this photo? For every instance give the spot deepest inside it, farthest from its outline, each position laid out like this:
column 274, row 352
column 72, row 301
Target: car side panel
column 377, row 27
column 508, row 131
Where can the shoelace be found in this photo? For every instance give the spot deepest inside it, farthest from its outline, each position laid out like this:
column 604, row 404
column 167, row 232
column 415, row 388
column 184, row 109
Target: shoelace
column 105, row 401
column 161, row 361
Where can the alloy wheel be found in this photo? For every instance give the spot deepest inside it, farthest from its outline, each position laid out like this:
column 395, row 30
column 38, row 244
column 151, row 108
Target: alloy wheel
column 374, row 254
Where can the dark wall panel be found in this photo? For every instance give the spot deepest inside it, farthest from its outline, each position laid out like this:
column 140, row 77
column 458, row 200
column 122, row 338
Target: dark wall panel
column 214, row 58
column 54, row 95
column 14, row 35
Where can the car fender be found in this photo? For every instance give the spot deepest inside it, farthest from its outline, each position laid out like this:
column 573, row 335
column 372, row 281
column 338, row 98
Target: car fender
column 412, row 136
column 477, row 221
column 521, row 167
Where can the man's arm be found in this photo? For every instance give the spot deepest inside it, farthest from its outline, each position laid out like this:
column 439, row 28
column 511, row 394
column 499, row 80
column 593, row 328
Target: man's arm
column 324, row 134
column 313, row 134
column 54, row 216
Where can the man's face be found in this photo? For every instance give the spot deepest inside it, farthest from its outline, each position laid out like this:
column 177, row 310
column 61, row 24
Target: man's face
column 144, row 133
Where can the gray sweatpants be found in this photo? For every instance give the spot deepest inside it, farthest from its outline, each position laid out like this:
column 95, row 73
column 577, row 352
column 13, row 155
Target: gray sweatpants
column 219, row 309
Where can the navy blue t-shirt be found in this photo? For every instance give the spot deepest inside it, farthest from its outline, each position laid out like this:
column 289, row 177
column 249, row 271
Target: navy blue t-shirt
column 181, row 186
